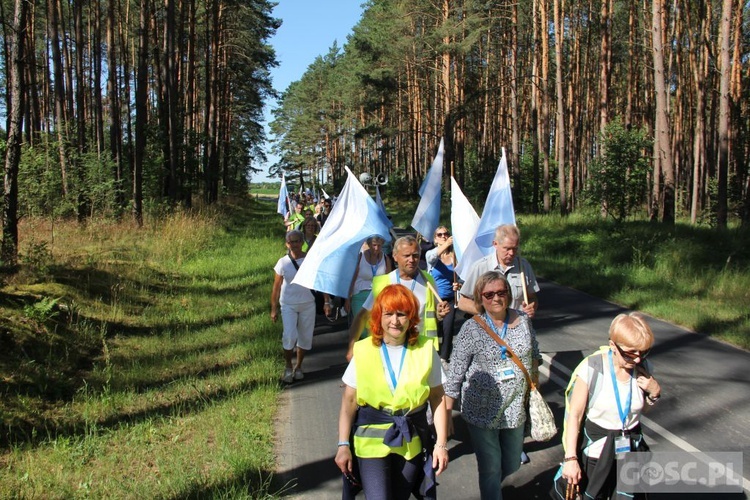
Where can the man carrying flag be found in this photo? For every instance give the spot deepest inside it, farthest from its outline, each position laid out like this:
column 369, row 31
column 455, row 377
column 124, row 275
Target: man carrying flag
column 406, row 254
column 516, row 269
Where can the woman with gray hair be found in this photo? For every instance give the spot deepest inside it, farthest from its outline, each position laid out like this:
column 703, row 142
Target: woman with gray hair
column 490, row 386
column 371, row 262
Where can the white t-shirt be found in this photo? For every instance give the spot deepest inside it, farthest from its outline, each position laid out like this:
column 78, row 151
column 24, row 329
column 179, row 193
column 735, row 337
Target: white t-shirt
column 395, row 353
column 418, row 288
column 603, row 409
column 291, row 293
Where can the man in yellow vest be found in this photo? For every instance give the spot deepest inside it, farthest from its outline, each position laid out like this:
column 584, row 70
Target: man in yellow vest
column 406, row 253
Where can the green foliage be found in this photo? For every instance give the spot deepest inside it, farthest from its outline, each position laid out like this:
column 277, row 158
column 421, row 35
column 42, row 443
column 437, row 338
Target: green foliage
column 38, row 257
column 618, row 179
column 671, row 272
column 162, row 381
column 43, row 310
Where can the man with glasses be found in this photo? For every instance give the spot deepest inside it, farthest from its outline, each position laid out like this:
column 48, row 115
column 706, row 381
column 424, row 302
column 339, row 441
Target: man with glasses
column 297, row 305
column 514, row 267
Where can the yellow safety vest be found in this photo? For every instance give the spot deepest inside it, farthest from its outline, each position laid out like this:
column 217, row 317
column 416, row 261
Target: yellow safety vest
column 412, row 391
column 430, row 313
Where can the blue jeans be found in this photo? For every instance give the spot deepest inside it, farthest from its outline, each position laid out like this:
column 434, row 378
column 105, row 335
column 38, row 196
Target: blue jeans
column 498, row 456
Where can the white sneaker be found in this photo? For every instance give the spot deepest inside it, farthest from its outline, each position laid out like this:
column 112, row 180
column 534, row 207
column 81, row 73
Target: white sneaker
column 288, row 377
column 298, row 375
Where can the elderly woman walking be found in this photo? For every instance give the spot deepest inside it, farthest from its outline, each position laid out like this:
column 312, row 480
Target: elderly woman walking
column 490, row 386
column 606, row 395
column 297, row 306
column 371, row 262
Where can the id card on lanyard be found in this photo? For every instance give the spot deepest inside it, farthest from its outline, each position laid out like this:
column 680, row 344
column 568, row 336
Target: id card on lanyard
column 505, row 371
column 622, row 442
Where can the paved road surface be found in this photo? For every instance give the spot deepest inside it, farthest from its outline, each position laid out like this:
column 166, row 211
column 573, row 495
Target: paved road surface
column 706, row 403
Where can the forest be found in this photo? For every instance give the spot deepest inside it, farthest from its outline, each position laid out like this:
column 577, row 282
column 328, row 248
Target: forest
column 635, row 107
column 627, row 105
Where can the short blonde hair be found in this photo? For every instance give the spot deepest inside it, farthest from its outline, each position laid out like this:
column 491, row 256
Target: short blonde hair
column 631, row 330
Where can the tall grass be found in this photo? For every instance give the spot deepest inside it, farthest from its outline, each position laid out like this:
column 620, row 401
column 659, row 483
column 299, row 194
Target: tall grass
column 155, row 372
column 693, row 276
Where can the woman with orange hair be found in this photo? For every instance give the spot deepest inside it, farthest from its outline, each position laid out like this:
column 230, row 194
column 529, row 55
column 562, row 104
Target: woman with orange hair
column 391, row 378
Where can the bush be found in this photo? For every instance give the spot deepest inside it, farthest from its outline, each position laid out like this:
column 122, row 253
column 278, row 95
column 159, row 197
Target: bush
column 619, row 177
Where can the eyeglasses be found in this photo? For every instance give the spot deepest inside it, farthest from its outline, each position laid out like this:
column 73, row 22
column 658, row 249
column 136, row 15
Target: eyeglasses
column 632, row 355
column 496, row 293
column 442, row 235
column 294, row 242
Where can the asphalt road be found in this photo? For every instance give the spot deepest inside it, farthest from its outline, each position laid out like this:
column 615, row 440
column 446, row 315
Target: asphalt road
column 705, row 404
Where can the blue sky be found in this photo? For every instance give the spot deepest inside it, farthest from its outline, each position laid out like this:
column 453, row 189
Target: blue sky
column 308, row 30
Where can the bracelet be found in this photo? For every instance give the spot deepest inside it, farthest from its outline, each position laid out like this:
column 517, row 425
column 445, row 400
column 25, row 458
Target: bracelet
column 342, row 443
column 329, row 304
column 442, row 446
column 570, row 459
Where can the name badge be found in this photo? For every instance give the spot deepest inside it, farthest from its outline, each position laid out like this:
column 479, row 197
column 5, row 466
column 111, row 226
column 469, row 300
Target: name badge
column 622, row 445
column 505, row 373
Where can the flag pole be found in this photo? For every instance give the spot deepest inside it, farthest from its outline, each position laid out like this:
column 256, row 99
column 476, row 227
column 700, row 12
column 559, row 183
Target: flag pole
column 455, row 262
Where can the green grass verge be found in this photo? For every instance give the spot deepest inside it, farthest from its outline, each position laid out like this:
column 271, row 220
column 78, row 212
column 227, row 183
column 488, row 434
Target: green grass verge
column 142, row 363
column 691, row 276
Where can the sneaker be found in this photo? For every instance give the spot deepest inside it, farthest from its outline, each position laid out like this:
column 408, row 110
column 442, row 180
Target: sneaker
column 298, row 375
column 288, row 377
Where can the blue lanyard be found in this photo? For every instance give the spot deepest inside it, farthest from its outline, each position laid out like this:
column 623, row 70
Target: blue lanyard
column 623, row 413
column 388, row 363
column 413, row 282
column 374, row 268
column 501, row 334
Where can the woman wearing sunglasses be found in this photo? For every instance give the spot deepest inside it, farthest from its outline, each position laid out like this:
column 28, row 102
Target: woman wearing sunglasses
column 604, row 400
column 490, row 386
column 440, row 262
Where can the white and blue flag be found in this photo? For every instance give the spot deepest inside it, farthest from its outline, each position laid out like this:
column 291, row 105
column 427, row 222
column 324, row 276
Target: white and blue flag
column 464, row 220
column 498, row 210
column 330, row 264
column 427, row 216
column 282, row 207
column 379, row 200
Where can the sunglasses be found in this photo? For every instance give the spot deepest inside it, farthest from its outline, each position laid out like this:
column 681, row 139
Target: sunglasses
column 632, row 355
column 442, row 235
column 496, row 293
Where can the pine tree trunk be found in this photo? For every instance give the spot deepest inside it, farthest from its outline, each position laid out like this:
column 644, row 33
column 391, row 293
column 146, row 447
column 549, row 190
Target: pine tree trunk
column 723, row 154
column 16, row 57
column 662, row 146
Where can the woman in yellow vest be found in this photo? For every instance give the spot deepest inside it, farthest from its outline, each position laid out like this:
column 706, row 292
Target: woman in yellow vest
column 391, row 378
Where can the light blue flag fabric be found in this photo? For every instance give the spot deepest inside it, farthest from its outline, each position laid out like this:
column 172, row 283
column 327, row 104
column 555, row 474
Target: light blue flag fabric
column 282, row 207
column 498, row 209
column 427, row 216
column 330, row 264
column 379, row 200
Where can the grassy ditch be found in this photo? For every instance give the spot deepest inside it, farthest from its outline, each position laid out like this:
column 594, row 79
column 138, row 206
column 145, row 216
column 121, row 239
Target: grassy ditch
column 141, row 363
